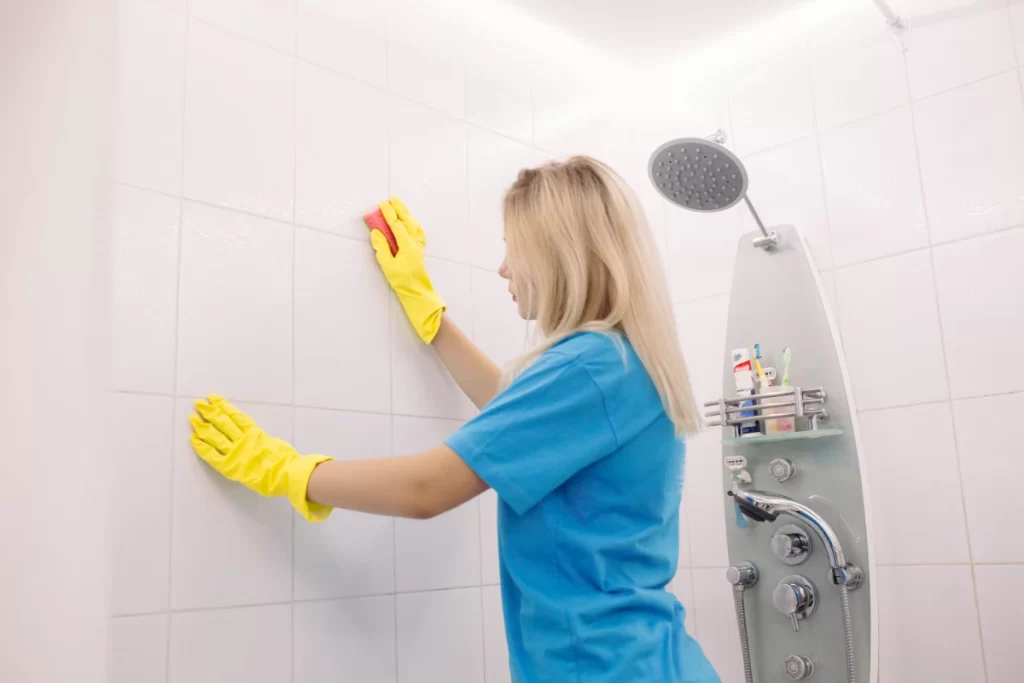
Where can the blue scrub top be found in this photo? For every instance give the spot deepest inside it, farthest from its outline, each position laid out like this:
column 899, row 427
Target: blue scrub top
column 589, row 474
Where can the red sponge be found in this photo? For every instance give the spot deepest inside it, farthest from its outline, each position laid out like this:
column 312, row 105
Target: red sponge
column 375, row 221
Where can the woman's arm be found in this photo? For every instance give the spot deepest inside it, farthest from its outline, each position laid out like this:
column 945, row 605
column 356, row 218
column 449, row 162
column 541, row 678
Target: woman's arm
column 477, row 376
column 417, row 486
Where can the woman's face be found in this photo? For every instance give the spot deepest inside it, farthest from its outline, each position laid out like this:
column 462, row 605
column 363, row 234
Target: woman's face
column 505, row 271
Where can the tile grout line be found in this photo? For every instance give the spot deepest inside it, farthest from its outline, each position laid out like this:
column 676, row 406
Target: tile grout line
column 177, row 339
column 949, row 391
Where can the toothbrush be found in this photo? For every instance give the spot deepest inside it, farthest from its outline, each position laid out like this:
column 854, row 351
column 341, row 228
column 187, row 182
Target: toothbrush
column 787, row 356
column 757, row 366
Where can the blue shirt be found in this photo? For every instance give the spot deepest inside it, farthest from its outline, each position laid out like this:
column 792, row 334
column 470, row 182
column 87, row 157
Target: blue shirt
column 589, row 472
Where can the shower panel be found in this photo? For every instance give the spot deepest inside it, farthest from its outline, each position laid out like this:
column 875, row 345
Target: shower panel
column 796, row 521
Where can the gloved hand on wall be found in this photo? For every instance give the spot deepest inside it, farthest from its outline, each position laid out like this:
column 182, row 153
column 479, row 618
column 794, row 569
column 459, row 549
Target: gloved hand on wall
column 231, row 443
column 406, row 271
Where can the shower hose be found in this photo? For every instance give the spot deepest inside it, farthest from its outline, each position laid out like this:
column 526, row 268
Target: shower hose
column 741, row 622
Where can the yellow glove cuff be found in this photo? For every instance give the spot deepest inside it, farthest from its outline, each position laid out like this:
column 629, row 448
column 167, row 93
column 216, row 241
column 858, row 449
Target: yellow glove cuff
column 298, row 481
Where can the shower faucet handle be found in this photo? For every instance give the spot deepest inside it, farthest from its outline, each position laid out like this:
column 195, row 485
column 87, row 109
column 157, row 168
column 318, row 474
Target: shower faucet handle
column 795, row 597
column 742, row 575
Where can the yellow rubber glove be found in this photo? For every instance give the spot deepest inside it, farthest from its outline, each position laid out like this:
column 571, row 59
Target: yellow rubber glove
column 406, row 271
column 231, row 443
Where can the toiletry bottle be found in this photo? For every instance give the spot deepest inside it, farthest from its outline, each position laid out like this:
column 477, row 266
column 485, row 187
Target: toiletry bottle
column 743, row 375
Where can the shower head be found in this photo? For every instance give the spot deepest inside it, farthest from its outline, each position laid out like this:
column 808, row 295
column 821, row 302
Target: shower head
column 698, row 174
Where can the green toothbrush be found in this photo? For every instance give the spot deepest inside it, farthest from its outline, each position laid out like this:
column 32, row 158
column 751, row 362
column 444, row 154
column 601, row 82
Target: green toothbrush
column 787, row 356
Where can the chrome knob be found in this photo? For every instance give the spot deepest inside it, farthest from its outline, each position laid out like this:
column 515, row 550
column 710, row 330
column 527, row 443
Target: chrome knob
column 742, row 575
column 794, row 597
column 799, row 668
column 791, row 544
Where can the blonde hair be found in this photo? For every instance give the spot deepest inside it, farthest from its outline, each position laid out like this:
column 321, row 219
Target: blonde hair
column 585, row 260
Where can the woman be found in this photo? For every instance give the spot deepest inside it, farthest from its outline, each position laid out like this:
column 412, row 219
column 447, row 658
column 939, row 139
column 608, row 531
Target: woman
column 582, row 445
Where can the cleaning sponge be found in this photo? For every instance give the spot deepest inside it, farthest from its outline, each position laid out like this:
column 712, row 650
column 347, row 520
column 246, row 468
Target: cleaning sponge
column 375, row 221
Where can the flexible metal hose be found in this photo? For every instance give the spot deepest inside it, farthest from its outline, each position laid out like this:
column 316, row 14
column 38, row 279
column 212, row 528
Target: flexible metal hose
column 741, row 621
column 844, row 597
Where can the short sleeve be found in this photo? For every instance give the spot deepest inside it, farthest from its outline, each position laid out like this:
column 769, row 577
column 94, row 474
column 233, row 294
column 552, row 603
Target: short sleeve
column 550, row 423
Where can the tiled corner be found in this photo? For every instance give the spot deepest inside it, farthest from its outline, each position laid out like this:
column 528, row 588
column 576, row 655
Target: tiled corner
column 345, row 640
column 342, row 336
column 773, row 104
column 787, row 188
column 1001, row 602
column 440, row 634
column 858, row 70
column 428, row 172
column 270, row 22
column 443, row 552
column 145, row 290
column 980, row 295
column 141, row 488
column 959, row 50
column 235, row 306
column 150, row 95
column 138, row 649
column 351, row 553
column 888, row 315
column 873, row 186
column 229, row 545
column 705, row 500
column 989, row 461
column 496, row 667
column 348, row 36
column 341, row 151
column 716, row 622
column 494, row 163
column 490, row 563
column 701, row 251
column 973, row 188
column 924, row 517
column 252, row 644
column 701, row 326
column 922, row 611
column 497, row 328
column 420, row 383
column 239, row 124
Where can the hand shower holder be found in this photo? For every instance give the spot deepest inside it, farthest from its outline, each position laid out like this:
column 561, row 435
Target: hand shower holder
column 742, row 410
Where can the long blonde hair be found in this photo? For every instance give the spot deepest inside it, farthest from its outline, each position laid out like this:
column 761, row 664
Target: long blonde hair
column 585, row 259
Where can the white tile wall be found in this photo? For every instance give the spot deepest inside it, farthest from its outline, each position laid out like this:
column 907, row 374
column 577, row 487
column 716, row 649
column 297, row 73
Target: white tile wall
column 151, row 91
column 701, row 325
column 235, row 306
column 339, row 288
column 917, row 625
column 716, row 622
column 973, row 188
column 142, row 493
column 873, row 182
column 349, row 36
column 489, row 561
column 990, row 461
column 495, row 645
column 960, row 50
column 931, row 528
column 1017, row 24
column 351, row 553
column 497, row 328
column 250, row 644
column 888, row 315
column 266, row 21
column 1000, row 604
column 345, row 640
column 494, row 162
column 239, row 123
column 704, row 515
column 774, row 103
column 138, row 649
column 980, row 299
column 700, row 249
column 145, row 284
column 341, row 150
column 440, row 637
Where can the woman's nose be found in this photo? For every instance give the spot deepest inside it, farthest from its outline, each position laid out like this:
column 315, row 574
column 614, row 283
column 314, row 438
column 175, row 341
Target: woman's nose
column 503, row 270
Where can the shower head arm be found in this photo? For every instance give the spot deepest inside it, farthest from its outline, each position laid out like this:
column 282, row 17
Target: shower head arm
column 768, row 240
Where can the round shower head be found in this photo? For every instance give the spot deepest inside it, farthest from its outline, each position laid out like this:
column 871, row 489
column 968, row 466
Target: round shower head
column 698, row 174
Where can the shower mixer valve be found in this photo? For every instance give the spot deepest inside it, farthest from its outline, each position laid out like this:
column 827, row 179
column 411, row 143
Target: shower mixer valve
column 795, row 597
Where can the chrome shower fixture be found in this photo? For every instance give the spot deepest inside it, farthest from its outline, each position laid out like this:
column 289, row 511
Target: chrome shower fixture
column 700, row 174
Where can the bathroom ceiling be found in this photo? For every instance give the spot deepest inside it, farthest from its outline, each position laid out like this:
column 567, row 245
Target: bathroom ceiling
column 648, row 32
